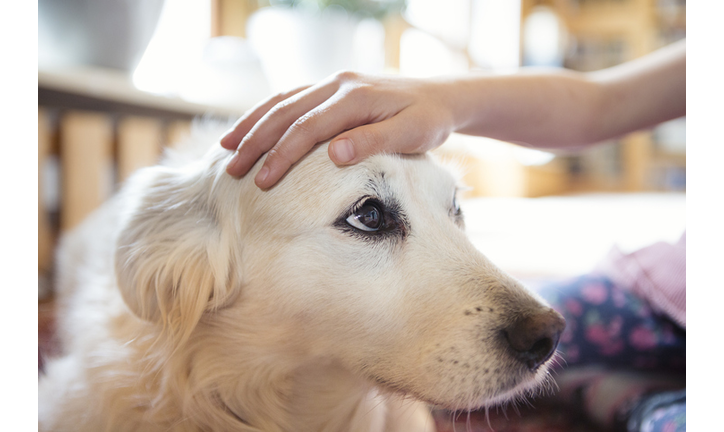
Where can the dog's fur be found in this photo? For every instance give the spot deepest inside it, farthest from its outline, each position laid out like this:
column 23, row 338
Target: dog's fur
column 195, row 301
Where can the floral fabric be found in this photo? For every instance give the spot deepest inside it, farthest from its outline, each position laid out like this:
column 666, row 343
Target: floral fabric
column 616, row 351
column 607, row 324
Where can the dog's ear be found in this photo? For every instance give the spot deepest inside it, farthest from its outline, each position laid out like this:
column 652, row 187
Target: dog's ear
column 172, row 261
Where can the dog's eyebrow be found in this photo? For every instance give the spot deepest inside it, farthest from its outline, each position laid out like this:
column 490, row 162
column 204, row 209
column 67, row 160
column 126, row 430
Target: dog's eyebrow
column 378, row 184
column 379, row 188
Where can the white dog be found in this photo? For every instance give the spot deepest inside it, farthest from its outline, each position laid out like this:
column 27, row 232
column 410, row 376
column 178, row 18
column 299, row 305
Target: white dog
column 342, row 299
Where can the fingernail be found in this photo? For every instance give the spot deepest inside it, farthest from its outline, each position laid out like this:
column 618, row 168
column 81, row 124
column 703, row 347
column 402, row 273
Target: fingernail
column 342, row 150
column 233, row 162
column 262, row 175
column 225, row 137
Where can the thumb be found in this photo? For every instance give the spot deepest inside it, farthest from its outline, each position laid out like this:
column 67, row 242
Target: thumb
column 342, row 151
column 395, row 135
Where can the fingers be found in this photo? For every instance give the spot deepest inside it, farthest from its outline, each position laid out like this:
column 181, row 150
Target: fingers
column 326, row 120
column 404, row 132
column 234, row 135
column 266, row 131
column 379, row 116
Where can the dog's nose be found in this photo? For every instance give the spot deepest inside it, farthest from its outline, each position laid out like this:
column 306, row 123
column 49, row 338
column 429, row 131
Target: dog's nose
column 534, row 338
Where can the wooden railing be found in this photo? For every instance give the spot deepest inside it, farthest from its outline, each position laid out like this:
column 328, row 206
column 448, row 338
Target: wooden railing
column 83, row 156
column 94, row 130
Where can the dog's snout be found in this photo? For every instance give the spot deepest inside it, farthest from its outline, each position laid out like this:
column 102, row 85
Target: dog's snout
column 534, row 338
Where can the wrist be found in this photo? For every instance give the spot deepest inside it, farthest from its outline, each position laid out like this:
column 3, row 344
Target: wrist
column 451, row 100
column 465, row 98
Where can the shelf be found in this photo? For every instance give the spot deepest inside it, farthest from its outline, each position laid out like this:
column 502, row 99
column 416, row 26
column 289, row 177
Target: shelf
column 109, row 90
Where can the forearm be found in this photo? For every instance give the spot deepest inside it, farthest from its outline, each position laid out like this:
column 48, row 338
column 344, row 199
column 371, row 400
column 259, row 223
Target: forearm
column 562, row 108
column 553, row 108
column 365, row 114
column 644, row 92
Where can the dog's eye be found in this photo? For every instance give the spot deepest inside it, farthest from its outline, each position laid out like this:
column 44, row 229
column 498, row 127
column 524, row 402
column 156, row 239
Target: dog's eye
column 455, row 206
column 367, row 217
column 456, row 212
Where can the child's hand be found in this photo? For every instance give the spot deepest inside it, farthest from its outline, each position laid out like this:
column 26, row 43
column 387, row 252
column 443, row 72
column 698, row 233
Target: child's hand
column 379, row 114
column 544, row 109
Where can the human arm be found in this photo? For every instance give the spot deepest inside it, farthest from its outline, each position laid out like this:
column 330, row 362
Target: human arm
column 538, row 108
column 561, row 108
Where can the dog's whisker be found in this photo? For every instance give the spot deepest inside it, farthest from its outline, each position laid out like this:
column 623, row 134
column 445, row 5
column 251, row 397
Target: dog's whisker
column 487, row 418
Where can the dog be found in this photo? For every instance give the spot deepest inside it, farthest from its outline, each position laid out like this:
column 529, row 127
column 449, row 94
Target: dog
column 342, row 299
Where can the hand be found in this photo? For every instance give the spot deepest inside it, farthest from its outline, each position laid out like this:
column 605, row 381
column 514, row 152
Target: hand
column 379, row 114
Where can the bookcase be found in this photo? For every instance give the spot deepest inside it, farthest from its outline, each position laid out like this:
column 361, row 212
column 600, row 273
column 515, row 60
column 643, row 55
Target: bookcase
column 604, row 33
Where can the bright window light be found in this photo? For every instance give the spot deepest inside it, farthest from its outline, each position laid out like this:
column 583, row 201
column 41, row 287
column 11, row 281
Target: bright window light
column 448, row 20
column 495, row 34
column 422, row 55
column 176, row 46
column 544, row 38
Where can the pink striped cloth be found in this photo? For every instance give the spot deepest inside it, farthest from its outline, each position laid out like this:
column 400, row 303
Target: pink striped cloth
column 656, row 273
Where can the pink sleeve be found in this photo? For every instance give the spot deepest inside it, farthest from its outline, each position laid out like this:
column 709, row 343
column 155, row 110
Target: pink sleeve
column 656, row 273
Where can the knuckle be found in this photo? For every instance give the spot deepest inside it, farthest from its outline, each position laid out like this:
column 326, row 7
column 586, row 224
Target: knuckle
column 250, row 142
column 303, row 125
column 346, row 75
column 281, row 109
column 370, row 139
column 361, row 93
column 280, row 97
column 271, row 156
column 277, row 157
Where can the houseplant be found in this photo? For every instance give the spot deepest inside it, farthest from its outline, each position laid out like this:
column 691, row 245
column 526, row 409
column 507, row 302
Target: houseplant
column 303, row 41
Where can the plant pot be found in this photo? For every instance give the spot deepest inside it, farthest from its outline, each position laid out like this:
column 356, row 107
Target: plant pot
column 298, row 46
column 105, row 33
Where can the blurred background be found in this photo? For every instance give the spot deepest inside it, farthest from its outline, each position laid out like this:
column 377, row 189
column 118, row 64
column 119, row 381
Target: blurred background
column 120, row 79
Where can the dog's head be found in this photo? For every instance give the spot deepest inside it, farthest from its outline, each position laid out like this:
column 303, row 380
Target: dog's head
column 367, row 266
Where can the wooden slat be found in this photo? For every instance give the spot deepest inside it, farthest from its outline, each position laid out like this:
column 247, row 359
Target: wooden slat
column 86, row 165
column 215, row 6
column 139, row 144
column 232, row 16
column 177, row 132
column 637, row 155
column 45, row 231
column 395, row 25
